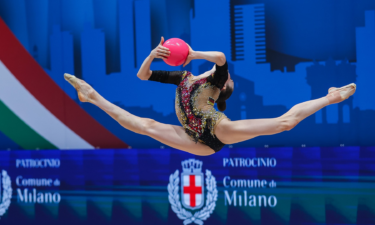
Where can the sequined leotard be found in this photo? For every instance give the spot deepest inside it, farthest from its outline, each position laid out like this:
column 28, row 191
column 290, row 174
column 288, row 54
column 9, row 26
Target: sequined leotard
column 195, row 102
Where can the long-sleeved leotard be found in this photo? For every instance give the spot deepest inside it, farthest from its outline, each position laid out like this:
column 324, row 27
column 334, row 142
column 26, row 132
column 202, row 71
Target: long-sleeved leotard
column 195, row 102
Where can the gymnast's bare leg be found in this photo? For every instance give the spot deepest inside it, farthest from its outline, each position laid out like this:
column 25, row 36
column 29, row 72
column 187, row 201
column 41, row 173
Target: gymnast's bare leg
column 230, row 132
column 171, row 135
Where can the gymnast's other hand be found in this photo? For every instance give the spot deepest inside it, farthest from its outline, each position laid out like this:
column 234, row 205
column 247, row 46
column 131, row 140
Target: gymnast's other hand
column 160, row 51
column 190, row 57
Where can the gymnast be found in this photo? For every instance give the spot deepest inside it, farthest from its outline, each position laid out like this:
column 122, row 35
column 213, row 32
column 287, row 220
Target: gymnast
column 204, row 130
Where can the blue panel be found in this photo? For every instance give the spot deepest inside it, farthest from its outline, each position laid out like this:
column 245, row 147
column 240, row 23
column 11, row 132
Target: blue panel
column 318, row 117
column 346, row 114
column 243, row 115
column 93, row 52
column 308, row 185
column 333, row 113
column 106, row 14
column 365, row 57
column 142, row 30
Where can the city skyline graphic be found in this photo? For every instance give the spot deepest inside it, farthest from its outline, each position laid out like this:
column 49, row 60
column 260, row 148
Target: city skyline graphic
column 107, row 53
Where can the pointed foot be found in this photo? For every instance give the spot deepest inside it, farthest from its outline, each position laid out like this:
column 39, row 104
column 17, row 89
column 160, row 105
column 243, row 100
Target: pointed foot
column 85, row 91
column 336, row 95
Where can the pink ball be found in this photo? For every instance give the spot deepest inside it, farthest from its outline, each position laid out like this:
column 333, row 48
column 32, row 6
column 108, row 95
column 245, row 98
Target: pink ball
column 179, row 51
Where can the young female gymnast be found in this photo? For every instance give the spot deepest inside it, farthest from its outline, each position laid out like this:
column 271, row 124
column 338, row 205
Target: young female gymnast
column 204, row 130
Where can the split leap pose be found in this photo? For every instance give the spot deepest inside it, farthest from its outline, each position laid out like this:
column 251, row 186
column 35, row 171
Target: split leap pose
column 204, row 130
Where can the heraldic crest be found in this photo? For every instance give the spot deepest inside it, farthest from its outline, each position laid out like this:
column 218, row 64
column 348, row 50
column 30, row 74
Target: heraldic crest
column 7, row 192
column 191, row 196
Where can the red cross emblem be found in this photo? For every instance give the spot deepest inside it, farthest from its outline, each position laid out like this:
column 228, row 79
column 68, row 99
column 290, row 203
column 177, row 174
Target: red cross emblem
column 192, row 190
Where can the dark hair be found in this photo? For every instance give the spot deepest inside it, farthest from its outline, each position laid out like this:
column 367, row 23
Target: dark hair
column 224, row 95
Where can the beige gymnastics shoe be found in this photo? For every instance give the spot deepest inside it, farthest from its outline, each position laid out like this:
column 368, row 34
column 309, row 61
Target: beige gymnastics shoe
column 336, row 95
column 84, row 90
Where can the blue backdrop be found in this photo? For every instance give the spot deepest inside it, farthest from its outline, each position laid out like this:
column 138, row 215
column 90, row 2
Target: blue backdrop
column 280, row 53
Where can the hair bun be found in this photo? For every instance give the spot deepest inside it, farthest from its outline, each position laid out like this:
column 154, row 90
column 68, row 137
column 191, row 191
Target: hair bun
column 221, row 105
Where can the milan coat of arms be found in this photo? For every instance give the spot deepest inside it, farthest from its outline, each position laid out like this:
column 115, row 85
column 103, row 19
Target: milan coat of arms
column 192, row 192
column 7, row 192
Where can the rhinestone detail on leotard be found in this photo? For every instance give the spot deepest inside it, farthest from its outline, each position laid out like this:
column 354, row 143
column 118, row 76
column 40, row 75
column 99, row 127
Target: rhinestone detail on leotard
column 194, row 120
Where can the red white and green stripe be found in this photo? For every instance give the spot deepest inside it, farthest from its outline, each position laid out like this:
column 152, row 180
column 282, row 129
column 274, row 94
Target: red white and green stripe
column 35, row 112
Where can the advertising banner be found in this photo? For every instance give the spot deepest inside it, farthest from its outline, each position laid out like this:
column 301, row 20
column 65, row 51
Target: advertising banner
column 165, row 186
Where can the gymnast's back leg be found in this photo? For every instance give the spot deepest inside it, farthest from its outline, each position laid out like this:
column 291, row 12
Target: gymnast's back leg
column 230, row 132
column 171, row 135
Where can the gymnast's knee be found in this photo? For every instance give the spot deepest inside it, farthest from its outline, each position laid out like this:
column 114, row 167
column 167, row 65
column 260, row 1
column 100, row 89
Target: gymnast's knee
column 147, row 126
column 287, row 123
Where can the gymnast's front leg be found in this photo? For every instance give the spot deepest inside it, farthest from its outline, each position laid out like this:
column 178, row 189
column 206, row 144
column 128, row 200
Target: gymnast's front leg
column 230, row 132
column 171, row 135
